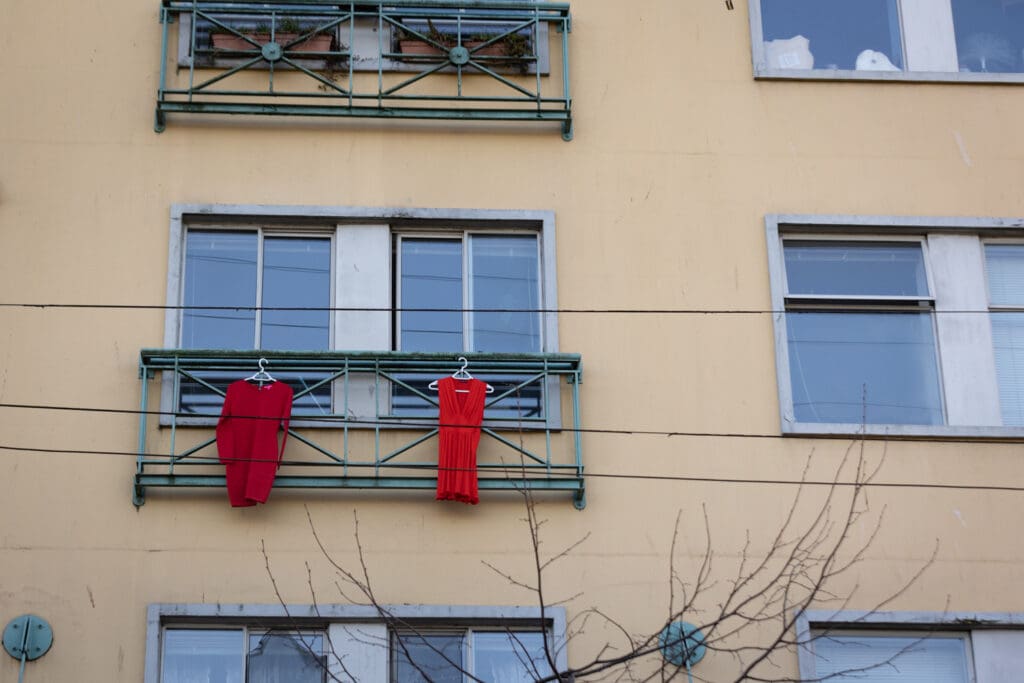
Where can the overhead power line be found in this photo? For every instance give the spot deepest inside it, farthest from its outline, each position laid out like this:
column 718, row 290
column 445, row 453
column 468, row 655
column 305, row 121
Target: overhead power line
column 586, row 475
column 416, row 421
column 526, row 426
column 412, row 309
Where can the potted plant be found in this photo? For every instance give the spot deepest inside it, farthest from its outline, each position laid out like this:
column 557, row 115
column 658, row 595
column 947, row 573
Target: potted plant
column 513, row 47
column 410, row 43
column 287, row 31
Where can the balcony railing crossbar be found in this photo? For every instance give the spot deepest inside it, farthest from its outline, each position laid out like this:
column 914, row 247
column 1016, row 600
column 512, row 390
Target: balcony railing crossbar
column 387, row 368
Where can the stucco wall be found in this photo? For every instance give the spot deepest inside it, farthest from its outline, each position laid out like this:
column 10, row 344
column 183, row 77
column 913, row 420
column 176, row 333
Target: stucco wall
column 659, row 202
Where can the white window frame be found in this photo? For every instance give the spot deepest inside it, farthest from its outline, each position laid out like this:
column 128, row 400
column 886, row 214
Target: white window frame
column 957, row 281
column 929, row 50
column 363, row 268
column 349, row 628
column 985, row 634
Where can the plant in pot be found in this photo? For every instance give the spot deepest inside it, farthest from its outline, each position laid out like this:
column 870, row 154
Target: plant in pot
column 287, row 31
column 512, row 49
column 410, row 43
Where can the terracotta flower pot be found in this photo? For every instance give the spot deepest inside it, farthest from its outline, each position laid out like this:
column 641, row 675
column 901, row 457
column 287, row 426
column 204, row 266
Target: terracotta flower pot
column 229, row 41
column 418, row 47
column 492, row 50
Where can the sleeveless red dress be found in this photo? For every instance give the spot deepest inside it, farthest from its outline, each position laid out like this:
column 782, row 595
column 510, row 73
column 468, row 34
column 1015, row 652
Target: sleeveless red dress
column 461, row 414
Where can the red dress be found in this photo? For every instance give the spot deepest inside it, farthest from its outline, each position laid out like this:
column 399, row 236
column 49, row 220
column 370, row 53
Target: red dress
column 461, row 414
column 247, row 438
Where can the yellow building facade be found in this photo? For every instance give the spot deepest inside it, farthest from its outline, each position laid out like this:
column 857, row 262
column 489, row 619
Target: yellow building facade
column 745, row 284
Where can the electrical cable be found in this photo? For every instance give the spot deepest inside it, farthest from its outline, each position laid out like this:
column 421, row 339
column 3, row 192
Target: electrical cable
column 398, row 309
column 180, row 461
column 406, row 422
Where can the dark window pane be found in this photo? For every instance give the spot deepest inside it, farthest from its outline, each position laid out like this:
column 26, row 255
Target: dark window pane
column 438, row 656
column 504, row 657
column 838, row 31
column 431, row 278
column 286, row 658
column 296, row 273
column 989, row 35
column 220, row 270
column 878, row 368
column 505, row 277
column 855, row 269
column 207, row 655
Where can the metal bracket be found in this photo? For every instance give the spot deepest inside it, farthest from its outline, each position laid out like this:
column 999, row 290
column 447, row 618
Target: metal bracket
column 682, row 644
column 27, row 638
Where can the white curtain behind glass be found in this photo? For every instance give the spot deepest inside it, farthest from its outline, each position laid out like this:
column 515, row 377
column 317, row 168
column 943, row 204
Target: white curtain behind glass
column 895, row 659
column 1005, row 266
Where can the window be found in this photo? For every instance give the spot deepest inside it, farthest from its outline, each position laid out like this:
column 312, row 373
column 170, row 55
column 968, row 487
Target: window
column 471, row 271
column 250, row 269
column 424, row 281
column 914, row 656
column 1005, row 267
column 937, row 647
column 446, row 657
column 241, row 655
column 860, row 333
column 898, row 326
column 909, row 39
column 207, row 643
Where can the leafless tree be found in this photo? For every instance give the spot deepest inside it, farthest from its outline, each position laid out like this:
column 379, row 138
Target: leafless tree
column 747, row 612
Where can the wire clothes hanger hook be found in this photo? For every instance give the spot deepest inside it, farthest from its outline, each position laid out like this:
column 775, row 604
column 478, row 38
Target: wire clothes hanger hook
column 262, row 375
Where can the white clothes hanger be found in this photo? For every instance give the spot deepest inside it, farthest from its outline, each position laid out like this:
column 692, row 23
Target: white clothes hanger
column 461, row 373
column 262, row 376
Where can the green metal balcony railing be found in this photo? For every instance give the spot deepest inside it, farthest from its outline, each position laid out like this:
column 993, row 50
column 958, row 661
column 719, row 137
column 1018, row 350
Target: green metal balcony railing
column 485, row 60
column 365, row 420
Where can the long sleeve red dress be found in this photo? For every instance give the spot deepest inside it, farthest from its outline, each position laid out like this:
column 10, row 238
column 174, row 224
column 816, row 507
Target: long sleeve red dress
column 247, row 438
column 461, row 414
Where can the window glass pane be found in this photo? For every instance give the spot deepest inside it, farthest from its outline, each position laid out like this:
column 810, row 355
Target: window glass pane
column 1008, row 340
column 843, row 365
column 989, row 35
column 509, row 657
column 505, row 277
column 220, row 270
column 438, row 656
column 202, row 656
column 286, row 658
column 855, row 269
column 296, row 273
column 837, row 32
column 881, row 659
column 431, row 278
column 1005, row 266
